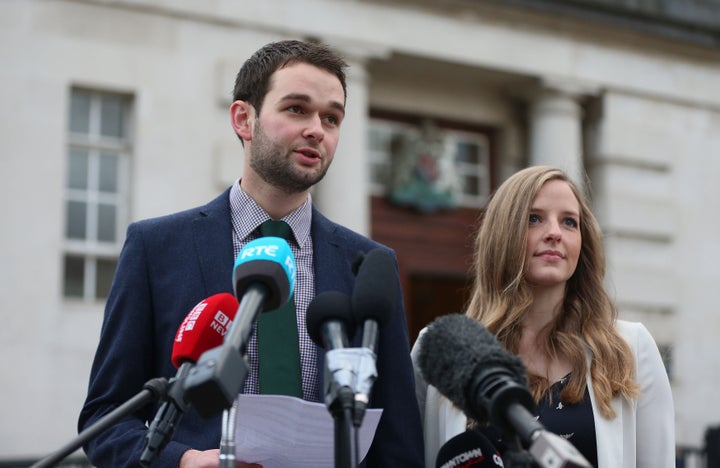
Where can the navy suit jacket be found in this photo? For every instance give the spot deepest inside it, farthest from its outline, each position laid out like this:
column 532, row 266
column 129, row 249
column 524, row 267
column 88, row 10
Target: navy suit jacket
column 168, row 265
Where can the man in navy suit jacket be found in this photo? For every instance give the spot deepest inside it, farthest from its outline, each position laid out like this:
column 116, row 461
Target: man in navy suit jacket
column 289, row 102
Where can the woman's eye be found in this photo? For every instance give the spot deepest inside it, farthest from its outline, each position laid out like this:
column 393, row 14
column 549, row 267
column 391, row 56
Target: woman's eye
column 534, row 218
column 571, row 222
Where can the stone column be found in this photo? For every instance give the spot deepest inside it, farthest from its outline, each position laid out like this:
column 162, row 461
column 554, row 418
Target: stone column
column 344, row 193
column 555, row 127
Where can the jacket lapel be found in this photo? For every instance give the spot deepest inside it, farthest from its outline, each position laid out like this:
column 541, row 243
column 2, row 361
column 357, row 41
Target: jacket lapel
column 332, row 266
column 212, row 242
column 608, row 432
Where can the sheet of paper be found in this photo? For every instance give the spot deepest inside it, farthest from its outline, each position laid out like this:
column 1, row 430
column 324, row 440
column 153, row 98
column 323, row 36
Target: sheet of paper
column 279, row 432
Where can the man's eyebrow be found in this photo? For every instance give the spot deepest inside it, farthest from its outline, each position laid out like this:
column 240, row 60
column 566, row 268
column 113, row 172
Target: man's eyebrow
column 296, row 97
column 305, row 98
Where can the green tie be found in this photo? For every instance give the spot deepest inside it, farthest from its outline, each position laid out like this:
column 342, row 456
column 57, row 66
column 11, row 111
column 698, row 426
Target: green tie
column 277, row 334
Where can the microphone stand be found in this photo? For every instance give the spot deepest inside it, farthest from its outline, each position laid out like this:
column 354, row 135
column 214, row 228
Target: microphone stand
column 547, row 449
column 340, row 378
column 342, row 416
column 153, row 390
column 515, row 456
column 544, row 449
column 227, row 440
column 162, row 428
column 365, row 376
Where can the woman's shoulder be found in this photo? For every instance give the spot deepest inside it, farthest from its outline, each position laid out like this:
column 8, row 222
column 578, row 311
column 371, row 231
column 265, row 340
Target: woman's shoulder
column 635, row 333
column 630, row 329
column 625, row 327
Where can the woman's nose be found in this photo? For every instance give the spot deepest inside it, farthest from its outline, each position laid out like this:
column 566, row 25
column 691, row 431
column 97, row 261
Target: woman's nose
column 553, row 232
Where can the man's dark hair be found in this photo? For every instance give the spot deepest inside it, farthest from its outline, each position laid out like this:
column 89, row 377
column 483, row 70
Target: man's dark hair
column 252, row 81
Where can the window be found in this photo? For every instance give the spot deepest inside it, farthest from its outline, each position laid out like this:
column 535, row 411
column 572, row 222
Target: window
column 96, row 191
column 666, row 352
column 419, row 162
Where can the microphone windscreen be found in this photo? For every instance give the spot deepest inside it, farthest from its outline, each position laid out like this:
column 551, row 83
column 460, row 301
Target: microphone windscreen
column 469, row 449
column 327, row 306
column 268, row 261
column 376, row 288
column 203, row 328
column 452, row 351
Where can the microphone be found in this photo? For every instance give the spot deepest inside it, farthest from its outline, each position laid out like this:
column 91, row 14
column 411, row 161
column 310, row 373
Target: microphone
column 329, row 320
column 373, row 302
column 469, row 449
column 374, row 294
column 467, row 364
column 263, row 279
column 202, row 329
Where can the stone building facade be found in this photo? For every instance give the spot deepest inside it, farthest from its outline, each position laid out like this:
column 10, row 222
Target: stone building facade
column 116, row 110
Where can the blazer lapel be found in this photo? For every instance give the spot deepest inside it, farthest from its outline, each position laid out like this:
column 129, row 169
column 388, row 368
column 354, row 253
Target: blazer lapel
column 332, row 266
column 212, row 241
column 608, row 432
column 329, row 262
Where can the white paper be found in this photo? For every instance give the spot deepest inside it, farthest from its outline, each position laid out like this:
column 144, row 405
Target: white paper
column 279, row 432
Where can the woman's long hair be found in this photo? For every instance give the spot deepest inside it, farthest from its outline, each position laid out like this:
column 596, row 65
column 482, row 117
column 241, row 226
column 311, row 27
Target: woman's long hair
column 502, row 295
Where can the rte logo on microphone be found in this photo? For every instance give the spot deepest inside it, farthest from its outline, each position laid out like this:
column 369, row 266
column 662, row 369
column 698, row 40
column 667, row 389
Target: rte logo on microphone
column 267, row 250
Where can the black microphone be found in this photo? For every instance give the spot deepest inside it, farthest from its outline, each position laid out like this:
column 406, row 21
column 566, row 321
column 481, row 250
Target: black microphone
column 467, row 364
column 374, row 294
column 469, row 449
column 329, row 320
column 373, row 302
column 263, row 279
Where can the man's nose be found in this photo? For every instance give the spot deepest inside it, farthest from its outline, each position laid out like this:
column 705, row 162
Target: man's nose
column 314, row 128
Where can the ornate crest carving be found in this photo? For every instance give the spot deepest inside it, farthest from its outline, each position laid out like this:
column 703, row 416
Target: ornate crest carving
column 423, row 171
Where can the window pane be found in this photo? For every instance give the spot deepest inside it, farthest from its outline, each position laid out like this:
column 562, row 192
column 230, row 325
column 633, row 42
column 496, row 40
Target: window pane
column 666, row 352
column 379, row 140
column 471, row 185
column 74, row 276
column 106, row 223
column 76, row 220
column 468, row 153
column 105, row 272
column 80, row 112
column 78, row 170
column 111, row 116
column 108, row 172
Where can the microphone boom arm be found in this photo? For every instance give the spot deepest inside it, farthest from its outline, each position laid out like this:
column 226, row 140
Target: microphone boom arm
column 162, row 428
column 153, row 390
column 216, row 380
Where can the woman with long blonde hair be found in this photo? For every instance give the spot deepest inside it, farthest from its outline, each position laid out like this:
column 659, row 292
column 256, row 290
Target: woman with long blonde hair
column 539, row 271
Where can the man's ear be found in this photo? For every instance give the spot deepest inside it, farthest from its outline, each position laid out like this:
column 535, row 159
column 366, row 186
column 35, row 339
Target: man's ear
column 242, row 119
